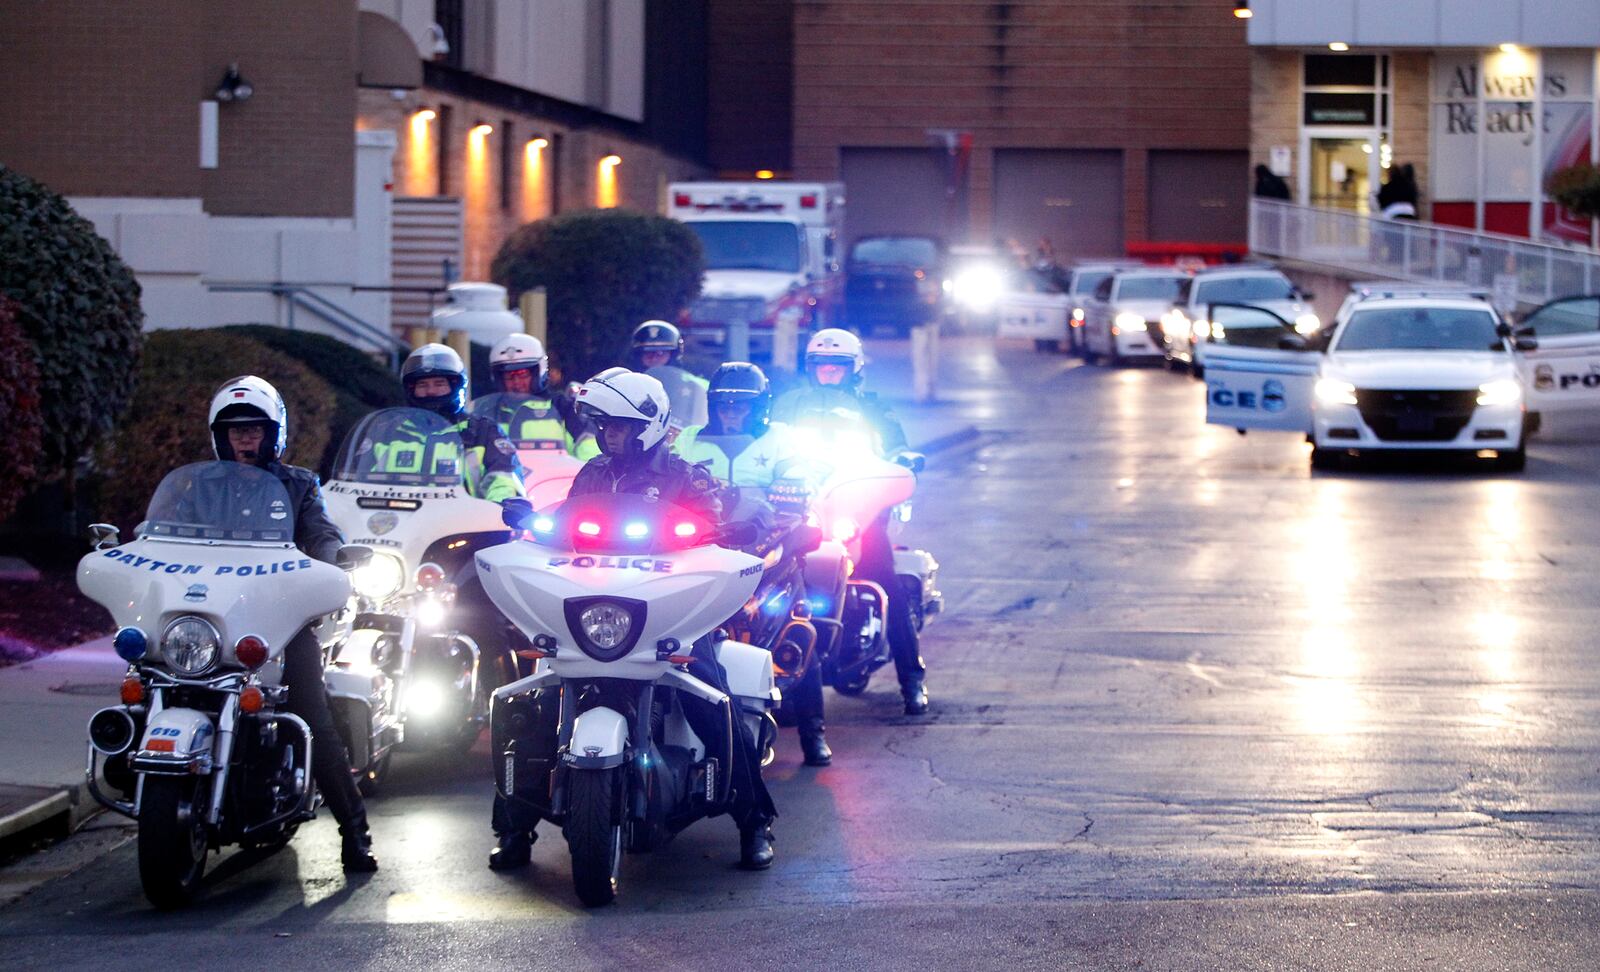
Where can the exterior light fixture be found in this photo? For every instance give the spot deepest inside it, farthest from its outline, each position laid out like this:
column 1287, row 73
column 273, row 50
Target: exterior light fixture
column 538, row 143
column 611, row 160
column 1339, row 46
column 233, row 87
column 425, row 115
column 1241, row 9
column 481, row 129
column 1508, row 48
column 765, row 174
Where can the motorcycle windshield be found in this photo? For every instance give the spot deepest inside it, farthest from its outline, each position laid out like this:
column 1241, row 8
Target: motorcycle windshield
column 223, row 502
column 832, row 443
column 527, row 422
column 402, row 447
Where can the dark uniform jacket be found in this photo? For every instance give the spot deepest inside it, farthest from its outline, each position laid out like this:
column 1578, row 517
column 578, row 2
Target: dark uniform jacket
column 673, row 480
column 314, row 532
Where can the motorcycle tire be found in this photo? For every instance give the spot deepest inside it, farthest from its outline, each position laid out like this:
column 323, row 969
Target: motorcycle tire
column 851, row 684
column 172, row 840
column 594, row 834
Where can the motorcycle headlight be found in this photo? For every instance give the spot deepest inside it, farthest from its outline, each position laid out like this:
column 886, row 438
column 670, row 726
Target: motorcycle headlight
column 1501, row 391
column 379, row 577
column 1332, row 391
column 190, row 645
column 1129, row 321
column 605, row 628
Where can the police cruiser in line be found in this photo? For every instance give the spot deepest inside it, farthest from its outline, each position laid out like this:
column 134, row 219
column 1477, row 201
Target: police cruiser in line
column 1405, row 370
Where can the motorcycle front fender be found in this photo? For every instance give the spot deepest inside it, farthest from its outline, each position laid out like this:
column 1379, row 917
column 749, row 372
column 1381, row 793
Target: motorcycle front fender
column 599, row 740
column 176, row 741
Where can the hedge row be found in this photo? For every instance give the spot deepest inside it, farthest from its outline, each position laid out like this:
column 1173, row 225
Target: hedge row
column 20, row 413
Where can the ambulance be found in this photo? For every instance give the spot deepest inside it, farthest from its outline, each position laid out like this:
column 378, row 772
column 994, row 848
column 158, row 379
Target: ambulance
column 772, row 253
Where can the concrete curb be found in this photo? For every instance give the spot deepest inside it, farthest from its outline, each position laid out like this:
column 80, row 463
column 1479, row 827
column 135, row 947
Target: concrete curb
column 949, row 440
column 43, row 810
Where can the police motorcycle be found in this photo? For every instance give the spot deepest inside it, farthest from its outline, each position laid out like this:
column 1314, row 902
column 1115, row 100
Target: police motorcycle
column 614, row 591
column 202, row 752
column 548, row 469
column 408, row 674
column 854, row 485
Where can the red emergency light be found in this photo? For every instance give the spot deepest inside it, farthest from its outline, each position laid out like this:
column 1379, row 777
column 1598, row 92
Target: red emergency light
column 808, row 202
column 681, row 199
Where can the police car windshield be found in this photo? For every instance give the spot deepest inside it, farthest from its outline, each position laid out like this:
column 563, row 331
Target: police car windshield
column 1084, row 281
column 1243, row 290
column 1149, row 288
column 749, row 245
column 221, row 502
column 402, row 447
column 905, row 251
column 1419, row 329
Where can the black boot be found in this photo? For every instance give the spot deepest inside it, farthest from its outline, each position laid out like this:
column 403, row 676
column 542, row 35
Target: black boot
column 755, row 848
column 916, row 697
column 514, row 850
column 356, row 854
column 815, row 746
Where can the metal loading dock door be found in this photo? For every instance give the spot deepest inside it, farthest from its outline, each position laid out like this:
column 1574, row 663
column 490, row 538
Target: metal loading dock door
column 1199, row 197
column 1071, row 197
column 895, row 190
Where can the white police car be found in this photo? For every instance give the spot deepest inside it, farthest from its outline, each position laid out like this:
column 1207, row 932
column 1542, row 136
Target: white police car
column 1398, row 373
column 1184, row 328
column 1123, row 318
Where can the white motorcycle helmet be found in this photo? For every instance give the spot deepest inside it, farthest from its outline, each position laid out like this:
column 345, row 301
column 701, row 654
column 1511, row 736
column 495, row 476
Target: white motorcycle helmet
column 518, row 352
column 248, row 400
column 619, row 395
column 833, row 345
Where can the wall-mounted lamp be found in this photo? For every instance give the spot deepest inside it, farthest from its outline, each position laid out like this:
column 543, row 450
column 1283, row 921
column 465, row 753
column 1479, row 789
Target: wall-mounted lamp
column 481, row 129
column 425, row 115
column 538, row 143
column 765, row 174
column 1509, row 48
column 611, row 160
column 1339, row 47
column 233, row 87
column 1241, row 9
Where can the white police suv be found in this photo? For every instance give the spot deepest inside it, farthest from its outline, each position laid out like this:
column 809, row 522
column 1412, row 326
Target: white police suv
column 1399, row 372
column 1184, row 328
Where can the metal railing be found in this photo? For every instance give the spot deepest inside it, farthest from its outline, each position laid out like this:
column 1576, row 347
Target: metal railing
column 1370, row 246
column 300, row 297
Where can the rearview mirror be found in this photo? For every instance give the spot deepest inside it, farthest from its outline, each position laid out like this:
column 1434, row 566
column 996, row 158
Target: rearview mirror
column 740, row 534
column 1503, row 329
column 353, row 556
column 516, row 512
column 103, row 536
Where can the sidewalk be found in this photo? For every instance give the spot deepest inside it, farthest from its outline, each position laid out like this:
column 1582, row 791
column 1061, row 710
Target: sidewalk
column 45, row 705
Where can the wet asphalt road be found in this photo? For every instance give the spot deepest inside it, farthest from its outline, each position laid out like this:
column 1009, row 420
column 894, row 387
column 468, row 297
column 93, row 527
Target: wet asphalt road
column 1194, row 707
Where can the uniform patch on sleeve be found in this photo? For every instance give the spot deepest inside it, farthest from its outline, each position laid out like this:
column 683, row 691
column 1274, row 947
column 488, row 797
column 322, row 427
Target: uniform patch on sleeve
column 505, row 446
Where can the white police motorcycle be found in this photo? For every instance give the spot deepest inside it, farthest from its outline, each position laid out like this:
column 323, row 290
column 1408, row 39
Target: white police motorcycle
column 548, row 469
column 614, row 591
column 207, row 595
column 408, row 674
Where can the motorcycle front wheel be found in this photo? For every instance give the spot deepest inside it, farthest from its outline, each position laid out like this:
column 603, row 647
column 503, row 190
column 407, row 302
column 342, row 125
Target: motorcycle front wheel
column 594, row 834
column 172, row 840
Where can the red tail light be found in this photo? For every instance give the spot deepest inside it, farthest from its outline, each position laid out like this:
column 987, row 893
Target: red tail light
column 808, row 202
column 681, row 199
column 430, row 576
column 251, row 651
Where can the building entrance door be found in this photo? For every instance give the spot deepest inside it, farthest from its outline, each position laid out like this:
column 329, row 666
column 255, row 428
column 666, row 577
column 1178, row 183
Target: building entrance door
column 1343, row 170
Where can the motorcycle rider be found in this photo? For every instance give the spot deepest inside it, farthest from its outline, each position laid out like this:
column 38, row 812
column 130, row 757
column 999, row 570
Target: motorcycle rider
column 249, row 424
column 527, row 411
column 631, row 412
column 657, row 348
column 834, row 364
column 740, row 445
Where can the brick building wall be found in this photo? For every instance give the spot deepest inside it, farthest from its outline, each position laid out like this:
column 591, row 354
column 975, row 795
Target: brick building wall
column 102, row 99
column 1133, row 76
column 750, row 85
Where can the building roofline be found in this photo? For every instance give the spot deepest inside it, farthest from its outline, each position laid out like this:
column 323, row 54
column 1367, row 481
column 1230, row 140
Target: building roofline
column 465, row 84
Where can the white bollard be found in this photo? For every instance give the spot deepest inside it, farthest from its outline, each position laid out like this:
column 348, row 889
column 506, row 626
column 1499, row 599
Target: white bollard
column 785, row 343
column 924, row 361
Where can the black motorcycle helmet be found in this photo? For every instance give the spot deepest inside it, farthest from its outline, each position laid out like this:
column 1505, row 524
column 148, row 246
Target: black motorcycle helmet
column 654, row 336
column 436, row 361
column 739, row 381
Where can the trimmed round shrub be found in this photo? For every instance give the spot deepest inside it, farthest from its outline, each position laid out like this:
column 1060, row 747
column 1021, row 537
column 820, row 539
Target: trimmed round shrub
column 78, row 303
column 1576, row 189
column 19, row 411
column 165, row 426
column 605, row 272
column 361, row 382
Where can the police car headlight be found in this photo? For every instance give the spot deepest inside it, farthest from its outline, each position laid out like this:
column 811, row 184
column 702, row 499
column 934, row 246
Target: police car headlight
column 379, row 577
column 1501, row 391
column 1332, row 391
column 979, row 288
column 1129, row 321
column 1308, row 323
column 190, row 645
